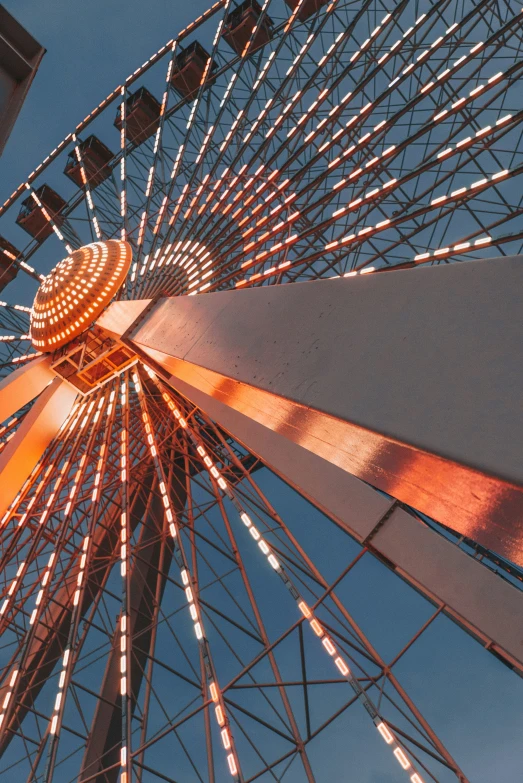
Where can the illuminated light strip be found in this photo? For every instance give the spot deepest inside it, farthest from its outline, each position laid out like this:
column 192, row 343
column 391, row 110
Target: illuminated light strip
column 460, row 247
column 50, row 220
column 380, row 125
column 67, row 661
column 49, row 570
column 123, row 162
column 443, row 200
column 25, row 357
column 47, row 573
column 16, row 306
column 12, row 588
column 482, row 183
column 88, row 193
column 327, row 642
column 368, row 105
column 7, row 698
column 125, row 618
column 188, row 582
column 309, row 40
column 61, row 682
column 141, row 231
column 470, row 140
column 152, row 169
column 160, row 215
column 189, row 127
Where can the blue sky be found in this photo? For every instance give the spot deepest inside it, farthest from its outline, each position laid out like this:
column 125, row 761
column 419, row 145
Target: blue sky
column 474, row 702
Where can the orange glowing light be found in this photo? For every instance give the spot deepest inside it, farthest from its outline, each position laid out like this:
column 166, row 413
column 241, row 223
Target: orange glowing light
column 55, row 320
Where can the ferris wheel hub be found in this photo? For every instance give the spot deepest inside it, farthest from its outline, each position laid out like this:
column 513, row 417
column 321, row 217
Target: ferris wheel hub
column 74, row 294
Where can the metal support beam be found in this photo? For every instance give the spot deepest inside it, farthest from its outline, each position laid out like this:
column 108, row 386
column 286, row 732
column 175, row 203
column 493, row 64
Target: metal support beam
column 410, row 381
column 38, row 428
column 487, row 606
column 147, row 581
column 24, row 384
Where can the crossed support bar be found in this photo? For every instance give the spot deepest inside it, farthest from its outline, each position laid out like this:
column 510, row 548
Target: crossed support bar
column 409, row 381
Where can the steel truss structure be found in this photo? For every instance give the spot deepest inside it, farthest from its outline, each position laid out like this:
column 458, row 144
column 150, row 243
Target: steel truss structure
column 161, row 618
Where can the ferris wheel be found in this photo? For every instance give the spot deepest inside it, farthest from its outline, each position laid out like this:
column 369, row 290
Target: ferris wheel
column 174, row 606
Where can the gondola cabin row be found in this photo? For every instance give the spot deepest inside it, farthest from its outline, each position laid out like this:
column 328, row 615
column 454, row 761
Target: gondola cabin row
column 142, row 118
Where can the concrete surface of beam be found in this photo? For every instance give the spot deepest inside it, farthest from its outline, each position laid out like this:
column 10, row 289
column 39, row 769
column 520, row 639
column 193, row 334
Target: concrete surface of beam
column 411, row 381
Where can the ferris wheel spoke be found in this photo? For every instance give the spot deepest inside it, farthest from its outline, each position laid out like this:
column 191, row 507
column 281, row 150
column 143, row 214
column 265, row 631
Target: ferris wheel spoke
column 124, row 231
column 22, row 670
column 224, row 107
column 57, row 450
column 45, row 532
column 156, row 156
column 72, row 648
column 182, row 150
column 292, row 724
column 192, row 596
column 356, row 201
column 87, row 190
column 260, row 81
column 24, row 535
column 244, row 221
column 328, row 641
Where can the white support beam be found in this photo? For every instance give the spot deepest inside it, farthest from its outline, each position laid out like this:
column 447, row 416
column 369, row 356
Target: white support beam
column 409, row 380
column 24, row 384
column 38, row 428
column 487, row 606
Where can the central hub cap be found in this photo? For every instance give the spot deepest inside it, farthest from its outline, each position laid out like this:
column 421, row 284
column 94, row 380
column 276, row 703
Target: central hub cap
column 74, row 294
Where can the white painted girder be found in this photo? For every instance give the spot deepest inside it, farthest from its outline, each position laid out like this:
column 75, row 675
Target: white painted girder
column 410, row 380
